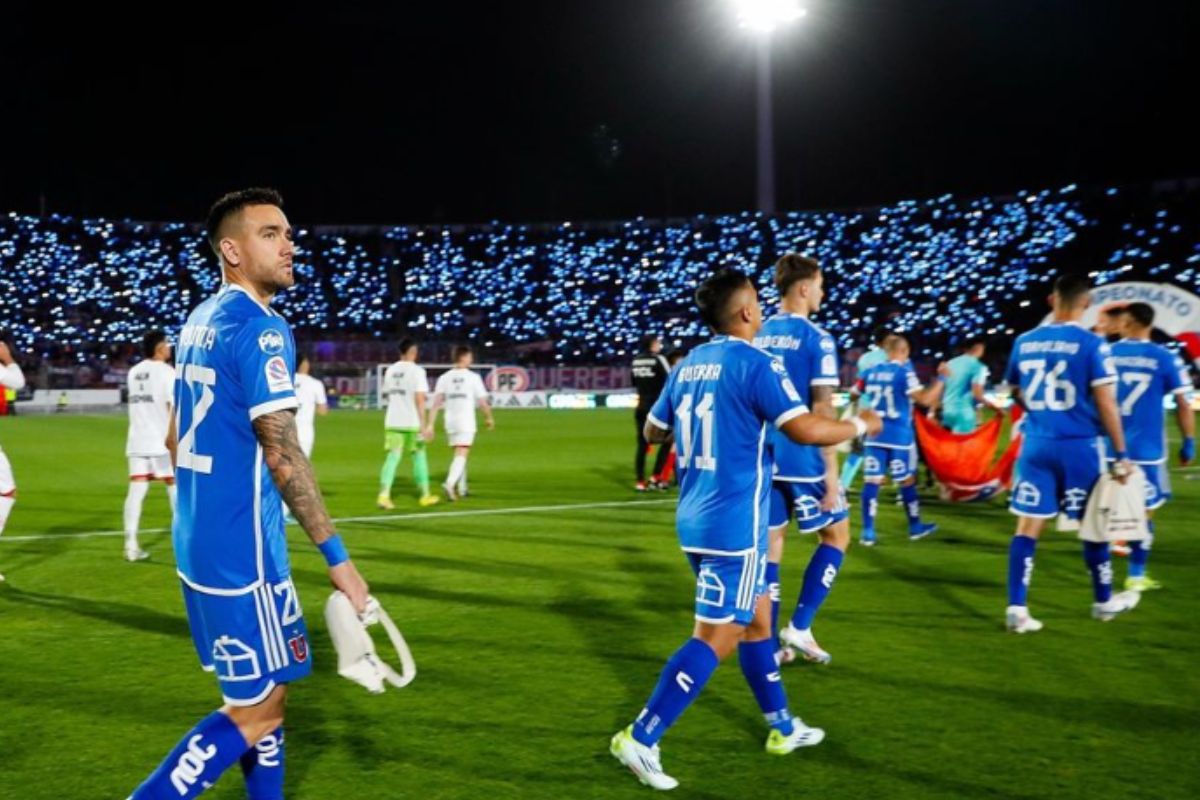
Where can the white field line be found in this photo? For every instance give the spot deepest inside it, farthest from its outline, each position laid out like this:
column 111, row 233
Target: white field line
column 482, row 512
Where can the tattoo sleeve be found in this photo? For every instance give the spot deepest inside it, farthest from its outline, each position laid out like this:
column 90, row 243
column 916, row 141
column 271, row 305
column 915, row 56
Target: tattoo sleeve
column 293, row 473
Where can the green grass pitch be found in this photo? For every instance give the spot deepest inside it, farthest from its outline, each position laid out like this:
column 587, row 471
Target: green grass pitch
column 539, row 632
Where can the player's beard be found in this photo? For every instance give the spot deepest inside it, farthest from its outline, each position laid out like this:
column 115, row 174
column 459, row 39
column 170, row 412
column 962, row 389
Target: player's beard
column 283, row 278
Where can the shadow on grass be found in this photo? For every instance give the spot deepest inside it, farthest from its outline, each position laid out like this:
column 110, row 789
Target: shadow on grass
column 126, row 615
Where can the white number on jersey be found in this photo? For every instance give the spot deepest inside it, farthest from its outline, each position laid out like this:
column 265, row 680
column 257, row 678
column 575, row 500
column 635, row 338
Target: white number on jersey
column 1141, row 382
column 1059, row 394
column 704, row 414
column 889, row 410
column 204, row 378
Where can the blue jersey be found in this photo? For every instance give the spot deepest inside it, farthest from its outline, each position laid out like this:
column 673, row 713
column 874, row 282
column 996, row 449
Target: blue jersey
column 234, row 363
column 1056, row 367
column 965, row 373
column 721, row 401
column 809, row 355
column 888, row 388
column 1148, row 373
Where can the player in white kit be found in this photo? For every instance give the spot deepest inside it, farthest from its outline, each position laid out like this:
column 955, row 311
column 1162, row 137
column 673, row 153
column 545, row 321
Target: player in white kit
column 405, row 386
column 151, row 385
column 310, row 393
column 461, row 391
column 11, row 377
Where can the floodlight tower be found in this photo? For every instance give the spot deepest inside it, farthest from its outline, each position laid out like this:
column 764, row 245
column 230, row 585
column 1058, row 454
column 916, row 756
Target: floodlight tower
column 762, row 18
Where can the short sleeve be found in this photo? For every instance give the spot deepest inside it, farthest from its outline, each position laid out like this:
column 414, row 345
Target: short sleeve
column 662, row 414
column 1177, row 377
column 420, row 380
column 164, row 390
column 440, row 387
column 319, row 393
column 823, row 366
column 265, row 356
column 774, row 397
column 481, row 392
column 911, row 384
column 1101, row 369
column 981, row 375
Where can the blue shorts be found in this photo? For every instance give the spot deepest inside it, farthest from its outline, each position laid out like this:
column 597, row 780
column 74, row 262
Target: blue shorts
column 805, row 499
column 252, row 642
column 898, row 462
column 728, row 586
column 960, row 420
column 1054, row 475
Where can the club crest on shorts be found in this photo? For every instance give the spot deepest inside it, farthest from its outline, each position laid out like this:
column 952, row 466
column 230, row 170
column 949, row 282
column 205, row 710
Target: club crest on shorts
column 299, row 647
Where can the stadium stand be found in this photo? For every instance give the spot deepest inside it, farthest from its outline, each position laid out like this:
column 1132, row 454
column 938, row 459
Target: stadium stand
column 75, row 294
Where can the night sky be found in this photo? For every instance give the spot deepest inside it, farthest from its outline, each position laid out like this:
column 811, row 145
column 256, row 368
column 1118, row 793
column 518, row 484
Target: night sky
column 583, row 109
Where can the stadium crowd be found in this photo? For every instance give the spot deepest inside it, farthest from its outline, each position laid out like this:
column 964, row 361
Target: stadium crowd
column 75, row 294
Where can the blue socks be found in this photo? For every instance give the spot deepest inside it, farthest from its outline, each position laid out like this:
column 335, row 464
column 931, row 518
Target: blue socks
column 762, row 674
column 1100, row 565
column 1139, row 554
column 772, row 580
column 682, row 679
column 262, row 767
column 818, row 580
column 912, row 507
column 1020, row 568
column 870, row 504
column 207, row 750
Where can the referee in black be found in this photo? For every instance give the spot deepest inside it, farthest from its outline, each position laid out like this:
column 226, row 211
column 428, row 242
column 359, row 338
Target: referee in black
column 650, row 370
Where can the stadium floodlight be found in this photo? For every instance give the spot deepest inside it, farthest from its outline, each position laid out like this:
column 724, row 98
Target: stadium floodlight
column 764, row 16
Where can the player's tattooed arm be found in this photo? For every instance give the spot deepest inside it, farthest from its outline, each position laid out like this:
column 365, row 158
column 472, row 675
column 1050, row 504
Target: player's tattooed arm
column 293, row 473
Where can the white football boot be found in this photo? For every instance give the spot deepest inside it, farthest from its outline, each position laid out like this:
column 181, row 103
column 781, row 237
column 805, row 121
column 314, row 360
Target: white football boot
column 1017, row 620
column 642, row 761
column 801, row 736
column 804, row 642
column 1119, row 603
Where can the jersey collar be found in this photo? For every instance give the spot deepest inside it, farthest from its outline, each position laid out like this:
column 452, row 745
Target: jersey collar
column 237, row 287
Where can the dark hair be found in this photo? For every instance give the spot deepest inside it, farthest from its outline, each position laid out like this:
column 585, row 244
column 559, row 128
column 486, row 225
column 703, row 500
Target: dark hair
column 647, row 340
column 1072, row 288
column 894, row 341
column 1114, row 311
column 233, row 203
column 151, row 340
column 1142, row 313
column 676, row 355
column 974, row 341
column 713, row 296
column 461, row 350
column 880, row 333
column 793, row 267
column 406, row 345
column 301, row 357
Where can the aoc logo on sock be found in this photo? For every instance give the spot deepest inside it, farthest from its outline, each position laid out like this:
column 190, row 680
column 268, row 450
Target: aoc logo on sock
column 191, row 765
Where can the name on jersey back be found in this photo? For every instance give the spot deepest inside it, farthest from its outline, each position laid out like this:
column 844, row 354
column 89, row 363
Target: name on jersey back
column 699, row 372
column 1053, row 346
column 201, row 336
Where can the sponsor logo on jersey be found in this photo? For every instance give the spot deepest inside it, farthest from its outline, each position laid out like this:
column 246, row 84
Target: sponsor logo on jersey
column 278, row 379
column 270, row 342
column 827, row 345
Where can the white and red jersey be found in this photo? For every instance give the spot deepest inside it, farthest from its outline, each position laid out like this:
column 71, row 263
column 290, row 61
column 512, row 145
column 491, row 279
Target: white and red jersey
column 402, row 382
column 461, row 390
column 151, row 392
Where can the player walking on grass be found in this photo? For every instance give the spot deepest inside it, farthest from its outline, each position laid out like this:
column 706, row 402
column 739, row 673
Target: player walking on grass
column 1065, row 378
column 720, row 402
column 875, row 355
column 966, row 380
column 11, row 377
column 1149, row 373
column 461, row 391
column 892, row 389
column 151, row 385
column 237, row 452
column 405, row 386
column 805, row 482
column 649, row 369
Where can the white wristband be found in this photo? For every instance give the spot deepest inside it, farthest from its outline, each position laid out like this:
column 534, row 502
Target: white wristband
column 860, row 426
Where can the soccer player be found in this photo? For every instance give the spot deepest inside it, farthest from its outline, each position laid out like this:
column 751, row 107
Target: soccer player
column 720, row 402
column 965, row 382
column 875, row 355
column 805, row 481
column 11, row 377
column 151, row 397
column 650, row 369
column 1148, row 373
column 405, row 386
column 237, row 452
column 310, row 394
column 461, row 391
column 1064, row 377
column 892, row 389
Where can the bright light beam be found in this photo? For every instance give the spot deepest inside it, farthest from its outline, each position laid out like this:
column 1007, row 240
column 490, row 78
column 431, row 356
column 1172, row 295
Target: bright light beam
column 764, row 16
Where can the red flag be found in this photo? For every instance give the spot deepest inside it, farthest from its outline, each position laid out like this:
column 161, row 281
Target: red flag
column 966, row 464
